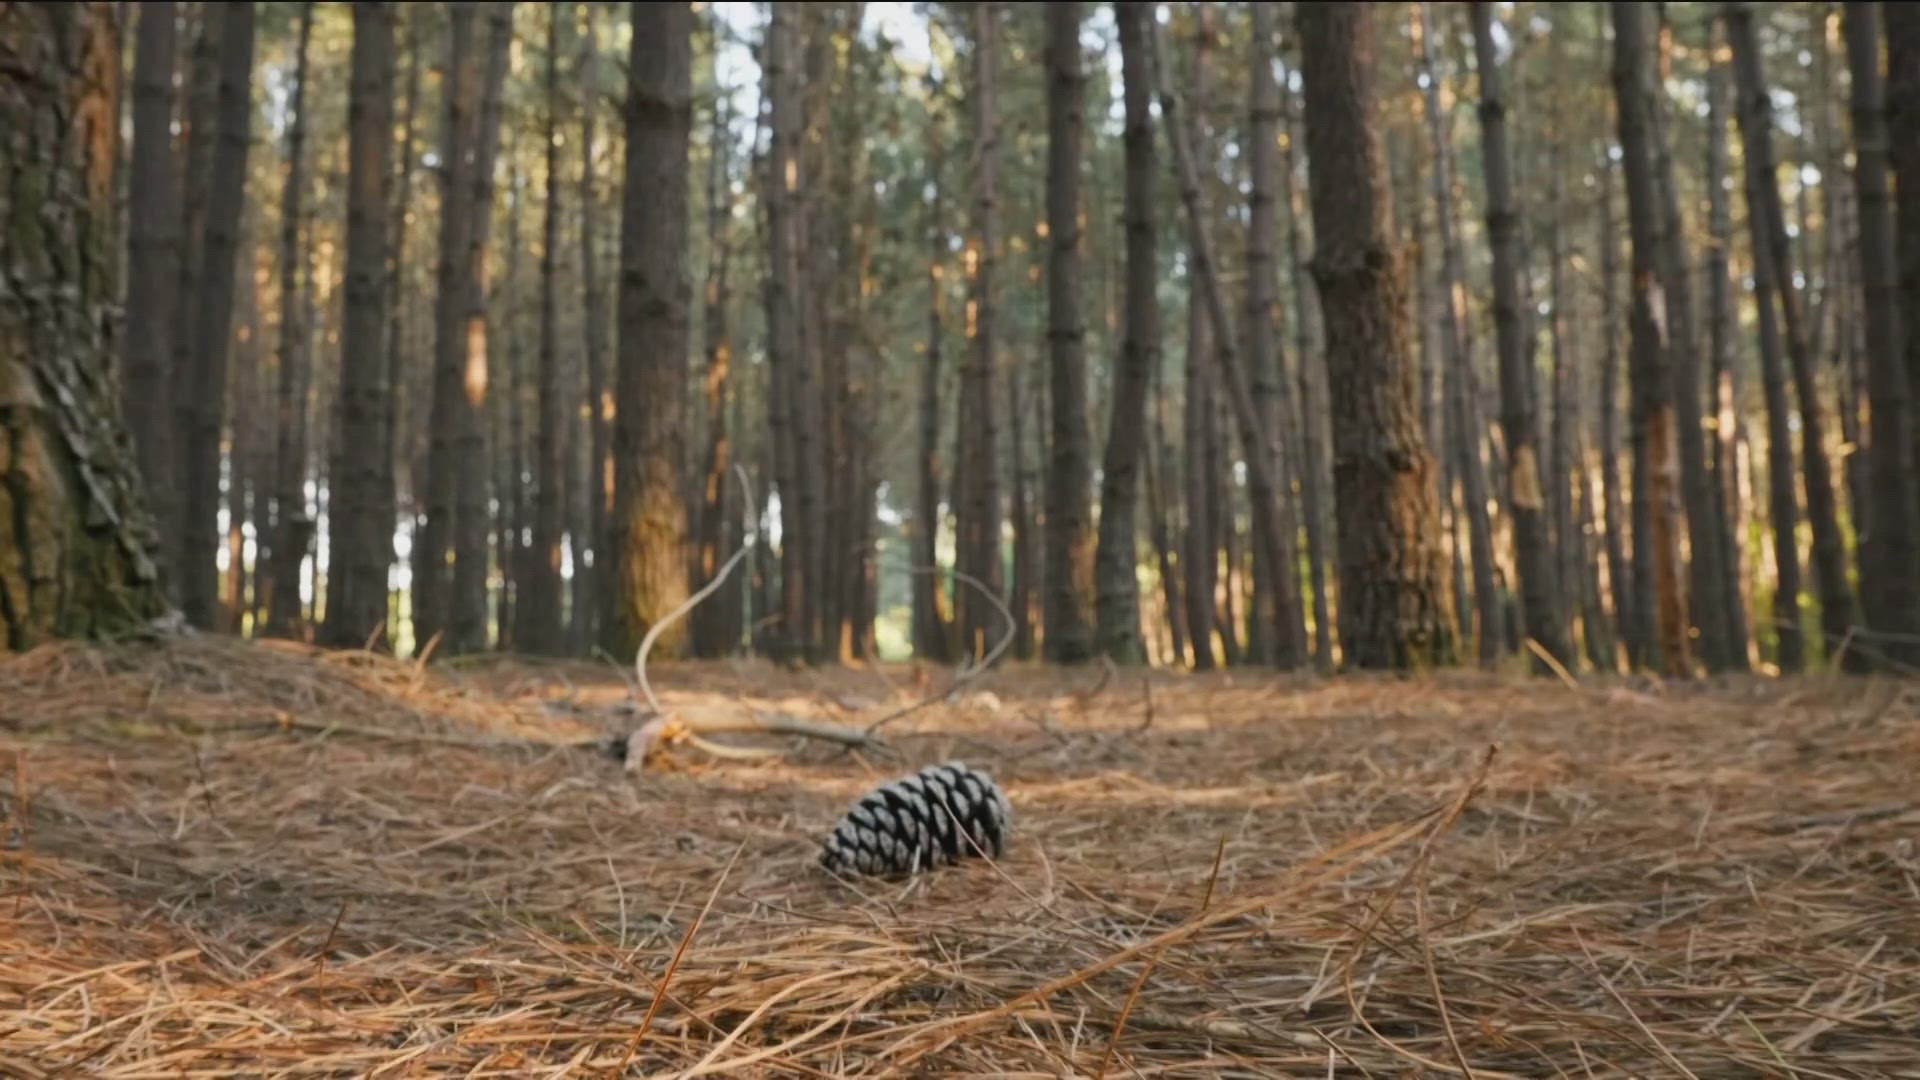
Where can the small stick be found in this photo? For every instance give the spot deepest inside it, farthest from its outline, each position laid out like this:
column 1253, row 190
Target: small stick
column 660, row 988
column 1547, row 659
column 320, row 958
column 1120, row 1023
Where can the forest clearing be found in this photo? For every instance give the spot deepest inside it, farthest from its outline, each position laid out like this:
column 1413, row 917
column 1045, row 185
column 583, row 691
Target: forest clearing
column 1242, row 874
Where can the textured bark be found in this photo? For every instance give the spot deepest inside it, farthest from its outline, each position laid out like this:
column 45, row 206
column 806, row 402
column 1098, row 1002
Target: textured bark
column 1890, row 593
column 293, row 526
column 78, row 548
column 360, row 540
column 1069, row 510
column 1620, row 576
column 1392, row 589
column 1649, row 361
column 1461, row 390
column 205, row 371
column 1838, row 611
column 153, row 274
column 540, row 606
column 1207, row 506
column 1260, row 443
column 1277, row 576
column 399, row 372
column 593, row 336
column 1117, row 593
column 1533, row 551
column 977, row 517
column 785, row 358
column 467, row 597
column 650, row 519
column 932, row 633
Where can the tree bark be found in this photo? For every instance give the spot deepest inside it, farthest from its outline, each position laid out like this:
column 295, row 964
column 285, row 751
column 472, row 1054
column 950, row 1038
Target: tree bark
column 978, row 512
column 1392, row 589
column 206, row 367
column 932, row 633
column 1117, row 593
column 1533, row 550
column 78, row 547
column 153, row 274
column 1890, row 593
column 650, row 518
column 1838, row 613
column 540, row 608
column 587, row 579
column 360, row 540
column 1313, row 407
column 1650, row 371
column 1068, row 572
column 1261, row 444
column 785, row 358
column 1279, row 583
column 293, row 526
column 1627, row 614
column 1724, row 384
column 712, row 624
column 398, row 370
column 1461, row 389
column 1902, row 27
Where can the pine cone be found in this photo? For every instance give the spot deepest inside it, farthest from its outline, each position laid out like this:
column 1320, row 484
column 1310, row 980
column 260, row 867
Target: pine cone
column 935, row 818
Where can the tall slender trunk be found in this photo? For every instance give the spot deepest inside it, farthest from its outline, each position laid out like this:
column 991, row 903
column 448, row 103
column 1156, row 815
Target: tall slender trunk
column 206, row 368
column 1313, row 405
column 932, row 634
column 593, row 335
column 1533, row 551
column 1261, row 444
column 785, row 359
column 540, row 608
column 1461, row 386
column 1650, row 359
column 1621, row 577
column 1902, row 26
column 467, row 606
column 650, row 520
column 153, row 276
column 1724, row 385
column 398, row 371
column 978, row 511
column 1891, row 534
column 712, row 623
column 1393, row 592
column 1117, row 593
column 360, row 537
column 1069, row 541
column 293, row 524
column 1838, row 612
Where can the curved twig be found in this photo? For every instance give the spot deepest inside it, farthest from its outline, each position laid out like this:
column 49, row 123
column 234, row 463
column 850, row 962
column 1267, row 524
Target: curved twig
column 967, row 673
column 719, row 579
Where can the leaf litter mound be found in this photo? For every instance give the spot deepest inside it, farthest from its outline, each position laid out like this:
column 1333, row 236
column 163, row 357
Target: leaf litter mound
column 222, row 858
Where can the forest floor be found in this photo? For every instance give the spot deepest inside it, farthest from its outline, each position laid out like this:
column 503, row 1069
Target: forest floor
column 221, row 858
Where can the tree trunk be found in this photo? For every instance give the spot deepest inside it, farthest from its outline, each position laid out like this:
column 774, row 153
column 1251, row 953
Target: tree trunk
column 711, row 624
column 932, row 633
column 783, row 89
column 1117, row 593
column 1392, row 589
column 1890, row 592
column 1266, row 364
column 1649, row 360
column 1533, row 550
column 1069, row 528
column 399, row 371
column 1260, row 443
column 206, row 366
column 78, row 548
column 978, row 512
column 540, row 607
column 467, row 601
column 360, row 539
column 1838, row 614
column 1313, row 408
column 1461, row 389
column 1903, row 156
column 153, row 274
column 1724, row 386
column 1627, row 614
column 293, row 526
column 650, row 518
column 587, row 579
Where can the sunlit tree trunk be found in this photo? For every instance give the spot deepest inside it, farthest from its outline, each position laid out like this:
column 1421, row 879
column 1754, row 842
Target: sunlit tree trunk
column 78, row 548
column 932, row 633
column 650, row 519
column 977, row 510
column 1392, row 588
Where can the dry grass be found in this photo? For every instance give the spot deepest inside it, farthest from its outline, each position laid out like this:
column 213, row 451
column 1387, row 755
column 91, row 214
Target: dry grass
column 263, row 860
